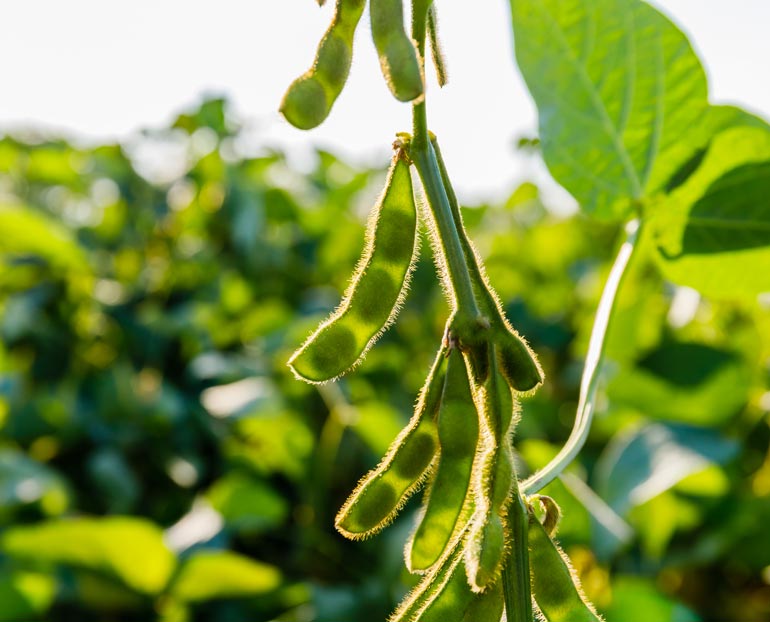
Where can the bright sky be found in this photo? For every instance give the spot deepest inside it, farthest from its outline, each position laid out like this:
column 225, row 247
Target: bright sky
column 102, row 70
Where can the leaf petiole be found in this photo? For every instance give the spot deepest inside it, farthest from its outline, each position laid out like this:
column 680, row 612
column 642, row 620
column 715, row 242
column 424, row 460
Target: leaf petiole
column 590, row 380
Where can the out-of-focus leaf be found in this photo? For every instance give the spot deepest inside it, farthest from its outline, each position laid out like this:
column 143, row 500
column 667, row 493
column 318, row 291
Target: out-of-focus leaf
column 247, row 504
column 25, row 595
column 24, row 481
column 104, row 594
column 27, row 233
column 55, row 164
column 209, row 575
column 646, row 462
column 377, row 424
column 114, row 479
column 659, row 518
column 714, row 230
column 272, row 443
column 125, row 548
column 637, row 93
column 637, row 600
column 687, row 382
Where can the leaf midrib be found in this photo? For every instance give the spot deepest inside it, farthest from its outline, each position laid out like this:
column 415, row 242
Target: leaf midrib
column 597, row 102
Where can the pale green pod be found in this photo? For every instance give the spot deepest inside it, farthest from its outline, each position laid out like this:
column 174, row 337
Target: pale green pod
column 398, row 57
column 377, row 289
column 555, row 586
column 310, row 98
column 385, row 489
column 450, row 494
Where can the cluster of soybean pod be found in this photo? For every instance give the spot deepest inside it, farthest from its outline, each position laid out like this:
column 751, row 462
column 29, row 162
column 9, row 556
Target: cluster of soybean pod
column 475, row 530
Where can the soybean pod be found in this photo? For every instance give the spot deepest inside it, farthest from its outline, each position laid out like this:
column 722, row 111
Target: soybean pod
column 430, row 586
column 310, row 98
column 456, row 601
column 383, row 492
column 435, row 46
column 449, row 496
column 517, row 361
column 444, row 594
column 493, row 481
column 556, row 588
column 377, row 288
column 398, row 57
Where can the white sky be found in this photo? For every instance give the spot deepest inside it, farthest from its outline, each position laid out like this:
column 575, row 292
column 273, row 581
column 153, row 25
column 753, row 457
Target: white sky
column 101, row 69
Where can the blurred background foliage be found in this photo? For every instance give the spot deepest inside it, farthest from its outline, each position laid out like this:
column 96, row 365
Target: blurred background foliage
column 159, row 462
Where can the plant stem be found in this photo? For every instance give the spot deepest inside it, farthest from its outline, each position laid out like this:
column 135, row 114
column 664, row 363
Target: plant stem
column 590, row 380
column 424, row 158
column 463, row 268
column 517, row 589
column 471, row 259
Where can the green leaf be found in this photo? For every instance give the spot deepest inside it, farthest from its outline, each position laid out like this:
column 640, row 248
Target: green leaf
column 377, row 424
column 637, row 467
column 687, row 382
column 209, row 575
column 717, row 119
column 637, row 600
column 248, row 504
column 619, row 92
column 714, row 230
column 124, row 548
column 25, row 232
column 25, row 595
column 25, row 481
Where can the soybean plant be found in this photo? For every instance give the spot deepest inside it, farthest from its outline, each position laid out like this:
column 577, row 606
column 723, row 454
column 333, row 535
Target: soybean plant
column 472, row 543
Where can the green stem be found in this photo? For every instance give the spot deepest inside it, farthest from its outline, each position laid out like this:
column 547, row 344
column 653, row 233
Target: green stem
column 594, row 357
column 517, row 589
column 424, row 158
column 471, row 258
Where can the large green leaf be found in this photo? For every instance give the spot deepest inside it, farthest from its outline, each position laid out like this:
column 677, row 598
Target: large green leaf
column 125, row 548
column 714, row 230
column 211, row 575
column 620, row 94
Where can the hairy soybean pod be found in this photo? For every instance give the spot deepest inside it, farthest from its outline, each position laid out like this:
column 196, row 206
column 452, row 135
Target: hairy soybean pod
column 456, row 601
column 458, row 432
column 376, row 291
column 381, row 494
column 435, row 46
column 555, row 586
column 398, row 56
column 488, row 535
column 445, row 595
column 431, row 585
column 493, row 479
column 310, row 98
column 518, row 362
